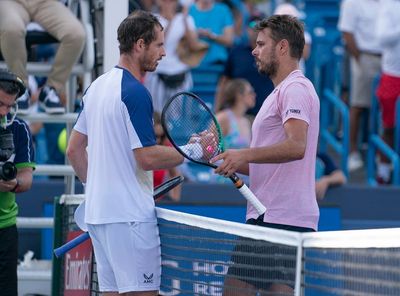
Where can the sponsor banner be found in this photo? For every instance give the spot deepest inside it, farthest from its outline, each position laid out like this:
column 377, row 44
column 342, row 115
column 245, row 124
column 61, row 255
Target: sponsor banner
column 77, row 268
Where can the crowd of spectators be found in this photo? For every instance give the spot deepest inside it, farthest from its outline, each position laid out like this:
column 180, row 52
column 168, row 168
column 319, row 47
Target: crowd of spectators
column 223, row 30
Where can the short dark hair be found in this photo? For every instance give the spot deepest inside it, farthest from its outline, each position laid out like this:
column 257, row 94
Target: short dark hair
column 285, row 27
column 139, row 24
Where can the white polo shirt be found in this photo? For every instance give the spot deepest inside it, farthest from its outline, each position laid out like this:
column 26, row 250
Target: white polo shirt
column 359, row 18
column 117, row 118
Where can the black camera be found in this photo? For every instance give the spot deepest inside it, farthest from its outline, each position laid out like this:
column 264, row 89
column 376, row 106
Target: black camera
column 8, row 171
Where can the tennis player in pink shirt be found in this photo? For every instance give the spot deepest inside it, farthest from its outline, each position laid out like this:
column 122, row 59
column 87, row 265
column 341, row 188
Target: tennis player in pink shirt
column 282, row 154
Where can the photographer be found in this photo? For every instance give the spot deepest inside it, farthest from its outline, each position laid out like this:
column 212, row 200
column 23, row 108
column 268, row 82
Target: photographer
column 16, row 167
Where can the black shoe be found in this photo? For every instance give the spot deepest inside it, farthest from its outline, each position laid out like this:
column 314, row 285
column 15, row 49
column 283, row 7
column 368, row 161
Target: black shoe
column 49, row 101
column 23, row 103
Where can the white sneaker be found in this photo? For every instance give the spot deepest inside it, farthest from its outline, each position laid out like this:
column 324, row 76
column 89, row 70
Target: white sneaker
column 355, row 161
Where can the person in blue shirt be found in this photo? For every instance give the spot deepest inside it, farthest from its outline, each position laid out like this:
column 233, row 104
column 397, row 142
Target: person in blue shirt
column 241, row 64
column 214, row 23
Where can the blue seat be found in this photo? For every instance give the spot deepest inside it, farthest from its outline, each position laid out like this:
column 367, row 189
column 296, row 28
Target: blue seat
column 205, row 81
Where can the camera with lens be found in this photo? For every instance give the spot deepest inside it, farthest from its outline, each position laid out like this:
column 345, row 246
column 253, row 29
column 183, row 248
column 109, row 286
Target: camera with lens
column 8, row 171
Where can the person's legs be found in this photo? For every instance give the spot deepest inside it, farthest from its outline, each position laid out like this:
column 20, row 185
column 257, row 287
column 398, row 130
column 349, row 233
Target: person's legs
column 59, row 21
column 235, row 287
column 13, row 21
column 355, row 115
column 388, row 93
column 363, row 72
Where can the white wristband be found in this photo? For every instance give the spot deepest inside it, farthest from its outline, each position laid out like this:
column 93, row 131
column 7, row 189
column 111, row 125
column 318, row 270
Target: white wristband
column 193, row 150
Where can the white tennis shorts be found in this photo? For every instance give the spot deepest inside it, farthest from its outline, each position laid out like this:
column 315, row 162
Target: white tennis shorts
column 128, row 256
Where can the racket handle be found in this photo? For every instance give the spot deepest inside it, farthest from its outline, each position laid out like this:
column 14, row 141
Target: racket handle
column 71, row 244
column 246, row 192
column 251, row 198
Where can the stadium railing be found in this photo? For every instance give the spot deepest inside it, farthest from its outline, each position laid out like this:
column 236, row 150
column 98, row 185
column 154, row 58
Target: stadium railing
column 330, row 104
column 197, row 253
column 205, row 81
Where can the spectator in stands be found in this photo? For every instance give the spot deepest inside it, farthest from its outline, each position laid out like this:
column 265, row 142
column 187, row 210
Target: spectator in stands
column 327, row 175
column 240, row 64
column 172, row 75
column 357, row 22
column 281, row 159
column 388, row 34
column 239, row 97
column 290, row 9
column 160, row 176
column 10, row 88
column 240, row 18
column 112, row 149
column 57, row 20
column 214, row 23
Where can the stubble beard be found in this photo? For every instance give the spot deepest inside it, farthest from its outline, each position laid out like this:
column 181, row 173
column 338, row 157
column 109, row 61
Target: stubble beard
column 270, row 69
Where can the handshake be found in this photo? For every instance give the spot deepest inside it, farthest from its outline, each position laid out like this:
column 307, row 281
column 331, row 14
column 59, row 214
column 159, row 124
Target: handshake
column 202, row 146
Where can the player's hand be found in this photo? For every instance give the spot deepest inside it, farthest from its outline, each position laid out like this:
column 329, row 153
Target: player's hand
column 232, row 161
column 204, row 141
column 209, row 143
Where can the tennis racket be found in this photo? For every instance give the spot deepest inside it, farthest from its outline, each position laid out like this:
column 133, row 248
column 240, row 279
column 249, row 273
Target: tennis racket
column 159, row 191
column 194, row 131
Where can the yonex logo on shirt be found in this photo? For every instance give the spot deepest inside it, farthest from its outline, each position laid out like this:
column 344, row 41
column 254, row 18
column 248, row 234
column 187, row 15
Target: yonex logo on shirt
column 148, row 279
column 295, row 111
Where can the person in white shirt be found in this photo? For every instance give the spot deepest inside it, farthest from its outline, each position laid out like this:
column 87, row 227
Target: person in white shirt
column 357, row 22
column 113, row 150
column 290, row 9
column 388, row 92
column 172, row 75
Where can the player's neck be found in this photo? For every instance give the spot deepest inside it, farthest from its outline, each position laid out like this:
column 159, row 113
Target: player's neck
column 284, row 70
column 129, row 63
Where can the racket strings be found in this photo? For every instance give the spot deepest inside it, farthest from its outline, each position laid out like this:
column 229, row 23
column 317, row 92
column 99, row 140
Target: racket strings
column 191, row 127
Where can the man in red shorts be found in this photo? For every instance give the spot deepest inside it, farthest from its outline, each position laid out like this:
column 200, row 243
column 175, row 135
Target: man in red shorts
column 388, row 92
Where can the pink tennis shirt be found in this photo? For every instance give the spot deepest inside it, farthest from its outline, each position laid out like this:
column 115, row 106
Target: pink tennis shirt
column 287, row 190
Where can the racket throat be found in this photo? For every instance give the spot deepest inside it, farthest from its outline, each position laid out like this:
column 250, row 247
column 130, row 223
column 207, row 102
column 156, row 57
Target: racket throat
column 237, row 181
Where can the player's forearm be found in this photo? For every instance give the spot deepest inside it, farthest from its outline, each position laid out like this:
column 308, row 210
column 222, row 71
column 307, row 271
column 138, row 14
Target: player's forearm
column 77, row 155
column 157, row 157
column 79, row 163
column 286, row 151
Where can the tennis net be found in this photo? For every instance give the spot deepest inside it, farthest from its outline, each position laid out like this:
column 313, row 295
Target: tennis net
column 205, row 256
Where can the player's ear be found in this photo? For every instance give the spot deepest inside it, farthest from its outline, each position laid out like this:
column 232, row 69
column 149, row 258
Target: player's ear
column 140, row 45
column 283, row 47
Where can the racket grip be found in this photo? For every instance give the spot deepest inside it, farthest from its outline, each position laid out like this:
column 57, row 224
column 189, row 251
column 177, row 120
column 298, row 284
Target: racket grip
column 71, row 244
column 251, row 198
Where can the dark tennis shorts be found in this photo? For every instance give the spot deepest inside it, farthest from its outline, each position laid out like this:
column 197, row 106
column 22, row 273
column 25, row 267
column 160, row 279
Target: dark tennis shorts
column 261, row 263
